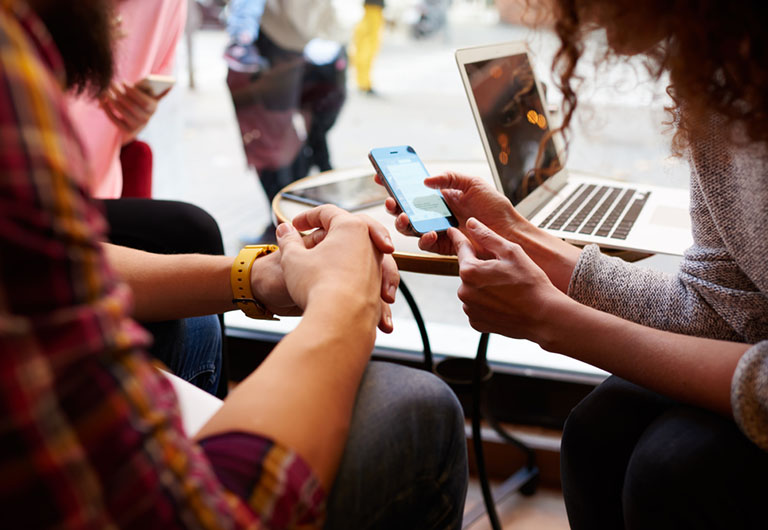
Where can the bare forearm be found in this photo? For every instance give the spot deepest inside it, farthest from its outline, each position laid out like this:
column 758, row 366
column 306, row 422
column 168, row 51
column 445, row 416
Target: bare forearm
column 303, row 393
column 690, row 369
column 173, row 286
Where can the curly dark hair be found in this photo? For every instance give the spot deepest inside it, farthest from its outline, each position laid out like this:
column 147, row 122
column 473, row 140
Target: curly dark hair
column 83, row 33
column 715, row 51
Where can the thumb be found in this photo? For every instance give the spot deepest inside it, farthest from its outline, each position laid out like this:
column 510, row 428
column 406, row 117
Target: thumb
column 289, row 239
column 486, row 241
column 465, row 252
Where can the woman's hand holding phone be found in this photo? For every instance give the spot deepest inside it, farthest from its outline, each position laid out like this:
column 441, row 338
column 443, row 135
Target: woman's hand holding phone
column 129, row 107
column 474, row 197
column 466, row 197
column 402, row 172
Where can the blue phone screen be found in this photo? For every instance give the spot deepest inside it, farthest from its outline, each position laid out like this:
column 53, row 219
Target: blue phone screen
column 405, row 174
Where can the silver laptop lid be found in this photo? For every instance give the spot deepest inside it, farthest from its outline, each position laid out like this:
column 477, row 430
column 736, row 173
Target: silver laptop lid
column 510, row 114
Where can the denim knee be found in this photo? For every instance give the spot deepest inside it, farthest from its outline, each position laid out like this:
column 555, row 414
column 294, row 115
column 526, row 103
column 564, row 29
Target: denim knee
column 200, row 358
column 405, row 461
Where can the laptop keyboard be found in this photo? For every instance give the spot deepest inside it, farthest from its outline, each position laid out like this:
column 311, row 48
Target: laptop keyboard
column 604, row 211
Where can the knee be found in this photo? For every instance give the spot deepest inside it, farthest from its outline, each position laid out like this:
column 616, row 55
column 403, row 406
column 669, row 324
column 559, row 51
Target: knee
column 199, row 228
column 417, row 396
column 602, row 411
column 409, row 420
column 578, row 425
column 411, row 413
column 203, row 352
column 675, row 471
column 584, row 421
column 596, row 430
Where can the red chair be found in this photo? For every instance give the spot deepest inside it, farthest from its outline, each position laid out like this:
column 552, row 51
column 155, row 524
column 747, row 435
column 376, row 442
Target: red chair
column 136, row 160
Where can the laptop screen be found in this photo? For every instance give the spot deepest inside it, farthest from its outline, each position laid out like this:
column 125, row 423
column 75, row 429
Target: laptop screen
column 514, row 122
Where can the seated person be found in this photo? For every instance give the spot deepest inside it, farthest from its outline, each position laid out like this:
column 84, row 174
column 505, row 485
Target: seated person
column 192, row 347
column 678, row 436
column 147, row 33
column 91, row 430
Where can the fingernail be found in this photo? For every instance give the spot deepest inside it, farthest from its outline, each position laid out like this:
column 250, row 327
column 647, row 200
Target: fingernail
column 472, row 223
column 392, row 290
column 283, row 229
column 389, row 241
column 388, row 320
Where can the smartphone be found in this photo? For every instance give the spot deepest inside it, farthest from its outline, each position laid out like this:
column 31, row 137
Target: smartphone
column 156, row 85
column 403, row 174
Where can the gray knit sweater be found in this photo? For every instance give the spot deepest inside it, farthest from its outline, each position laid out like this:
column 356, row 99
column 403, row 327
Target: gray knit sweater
column 721, row 289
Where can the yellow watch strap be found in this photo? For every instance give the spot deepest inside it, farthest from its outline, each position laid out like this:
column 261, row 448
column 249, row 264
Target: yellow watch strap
column 240, row 278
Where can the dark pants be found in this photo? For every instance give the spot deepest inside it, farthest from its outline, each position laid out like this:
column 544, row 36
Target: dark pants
column 163, row 227
column 633, row 459
column 172, row 227
column 265, row 105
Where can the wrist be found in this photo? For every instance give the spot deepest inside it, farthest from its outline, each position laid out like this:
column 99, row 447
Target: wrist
column 345, row 315
column 241, row 277
column 559, row 328
column 346, row 303
column 128, row 137
column 263, row 274
column 553, row 255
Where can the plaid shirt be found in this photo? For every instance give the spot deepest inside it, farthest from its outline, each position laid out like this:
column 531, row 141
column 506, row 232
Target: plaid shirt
column 90, row 433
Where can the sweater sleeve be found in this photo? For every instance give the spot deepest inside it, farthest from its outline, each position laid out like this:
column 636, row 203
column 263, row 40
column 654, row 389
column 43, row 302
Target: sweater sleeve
column 687, row 303
column 749, row 394
column 706, row 298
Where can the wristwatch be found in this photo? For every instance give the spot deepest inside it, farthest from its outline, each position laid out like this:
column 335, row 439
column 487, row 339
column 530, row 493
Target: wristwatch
column 241, row 282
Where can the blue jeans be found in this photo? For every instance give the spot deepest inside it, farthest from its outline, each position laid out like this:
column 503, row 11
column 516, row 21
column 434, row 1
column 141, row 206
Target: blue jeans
column 405, row 462
column 191, row 348
column 244, row 19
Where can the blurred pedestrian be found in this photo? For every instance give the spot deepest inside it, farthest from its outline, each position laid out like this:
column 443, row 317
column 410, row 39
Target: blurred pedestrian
column 367, row 40
column 285, row 111
column 243, row 23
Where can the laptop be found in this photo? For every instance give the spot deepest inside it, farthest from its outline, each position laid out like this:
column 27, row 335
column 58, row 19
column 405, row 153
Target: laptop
column 512, row 118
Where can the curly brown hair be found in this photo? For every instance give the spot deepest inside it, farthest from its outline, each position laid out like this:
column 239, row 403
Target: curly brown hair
column 715, row 51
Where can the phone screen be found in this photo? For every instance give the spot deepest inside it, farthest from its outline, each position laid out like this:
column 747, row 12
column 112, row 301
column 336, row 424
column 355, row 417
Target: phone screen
column 404, row 175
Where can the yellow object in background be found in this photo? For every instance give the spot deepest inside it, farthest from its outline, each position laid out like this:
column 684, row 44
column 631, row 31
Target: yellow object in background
column 367, row 40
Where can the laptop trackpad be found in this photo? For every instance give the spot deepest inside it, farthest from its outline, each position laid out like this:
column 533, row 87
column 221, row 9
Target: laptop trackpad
column 670, row 216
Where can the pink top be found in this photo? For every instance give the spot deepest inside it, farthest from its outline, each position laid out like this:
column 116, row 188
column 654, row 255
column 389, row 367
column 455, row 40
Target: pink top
column 151, row 30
